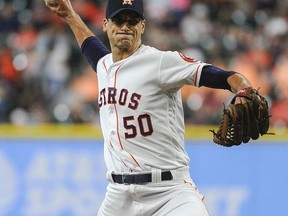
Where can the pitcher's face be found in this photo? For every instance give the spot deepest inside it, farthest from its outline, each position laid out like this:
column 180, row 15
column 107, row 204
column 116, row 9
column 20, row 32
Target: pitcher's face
column 124, row 31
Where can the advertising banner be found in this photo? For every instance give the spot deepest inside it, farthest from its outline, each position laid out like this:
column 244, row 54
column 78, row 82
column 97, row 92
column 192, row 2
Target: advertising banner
column 67, row 177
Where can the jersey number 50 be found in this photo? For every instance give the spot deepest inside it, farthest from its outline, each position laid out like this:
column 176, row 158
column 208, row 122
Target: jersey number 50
column 143, row 122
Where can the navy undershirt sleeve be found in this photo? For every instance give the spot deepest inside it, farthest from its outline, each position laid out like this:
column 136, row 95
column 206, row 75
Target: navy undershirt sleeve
column 215, row 77
column 93, row 49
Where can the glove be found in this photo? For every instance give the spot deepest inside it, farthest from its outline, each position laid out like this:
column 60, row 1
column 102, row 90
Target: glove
column 240, row 122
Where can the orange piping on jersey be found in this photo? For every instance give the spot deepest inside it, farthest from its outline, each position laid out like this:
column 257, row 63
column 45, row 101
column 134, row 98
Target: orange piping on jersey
column 116, row 112
column 105, row 66
column 117, row 121
column 196, row 77
column 133, row 158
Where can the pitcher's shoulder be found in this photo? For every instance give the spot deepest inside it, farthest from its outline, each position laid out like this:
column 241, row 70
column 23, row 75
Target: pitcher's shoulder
column 149, row 49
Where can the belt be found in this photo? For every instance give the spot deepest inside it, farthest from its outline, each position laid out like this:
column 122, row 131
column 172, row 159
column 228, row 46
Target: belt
column 139, row 178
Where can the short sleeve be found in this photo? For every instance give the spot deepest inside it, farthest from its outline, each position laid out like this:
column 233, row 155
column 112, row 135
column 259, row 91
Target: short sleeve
column 177, row 70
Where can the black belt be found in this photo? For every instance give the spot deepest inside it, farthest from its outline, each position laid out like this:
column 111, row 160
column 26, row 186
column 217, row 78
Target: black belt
column 139, row 178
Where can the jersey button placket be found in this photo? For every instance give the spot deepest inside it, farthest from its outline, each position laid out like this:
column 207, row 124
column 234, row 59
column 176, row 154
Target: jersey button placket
column 111, row 120
column 112, row 133
column 111, row 107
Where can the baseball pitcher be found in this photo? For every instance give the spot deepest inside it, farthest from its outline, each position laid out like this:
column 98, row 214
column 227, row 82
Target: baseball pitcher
column 141, row 113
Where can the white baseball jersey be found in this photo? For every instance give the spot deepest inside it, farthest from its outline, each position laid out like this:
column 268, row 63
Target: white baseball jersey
column 141, row 109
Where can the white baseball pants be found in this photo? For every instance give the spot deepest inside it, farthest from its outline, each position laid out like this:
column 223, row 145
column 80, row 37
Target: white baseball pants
column 177, row 197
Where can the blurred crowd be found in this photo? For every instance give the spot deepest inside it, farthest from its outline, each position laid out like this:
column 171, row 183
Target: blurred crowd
column 44, row 78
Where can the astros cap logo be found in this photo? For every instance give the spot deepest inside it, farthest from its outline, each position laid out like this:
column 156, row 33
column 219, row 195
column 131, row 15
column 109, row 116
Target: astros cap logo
column 127, row 2
column 114, row 7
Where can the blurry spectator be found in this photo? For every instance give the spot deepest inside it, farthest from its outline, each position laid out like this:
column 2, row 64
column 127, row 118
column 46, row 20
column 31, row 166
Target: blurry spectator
column 199, row 19
column 7, row 69
column 179, row 9
column 8, row 18
column 53, row 52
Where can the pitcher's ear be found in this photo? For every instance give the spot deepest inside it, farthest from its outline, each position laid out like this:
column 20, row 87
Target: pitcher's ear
column 143, row 23
column 104, row 24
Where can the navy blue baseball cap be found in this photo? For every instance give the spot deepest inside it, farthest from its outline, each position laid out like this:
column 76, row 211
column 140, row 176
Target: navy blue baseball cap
column 113, row 7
